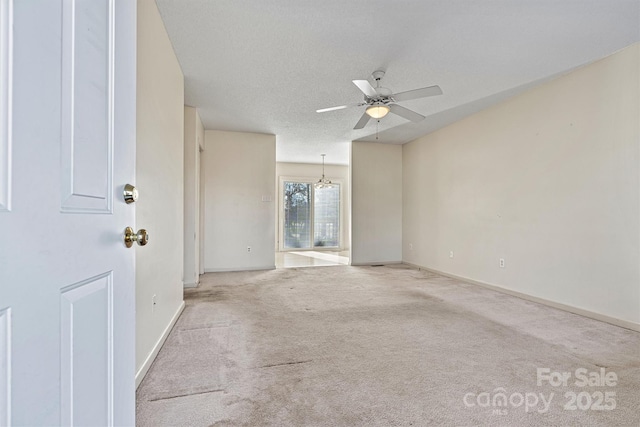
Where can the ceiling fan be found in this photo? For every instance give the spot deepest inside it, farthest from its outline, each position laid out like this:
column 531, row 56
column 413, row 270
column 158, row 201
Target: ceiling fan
column 380, row 100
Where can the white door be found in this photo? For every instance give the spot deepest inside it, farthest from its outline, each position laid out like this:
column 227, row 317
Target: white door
column 67, row 147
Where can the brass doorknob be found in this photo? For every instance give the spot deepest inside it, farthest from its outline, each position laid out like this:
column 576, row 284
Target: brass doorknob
column 141, row 237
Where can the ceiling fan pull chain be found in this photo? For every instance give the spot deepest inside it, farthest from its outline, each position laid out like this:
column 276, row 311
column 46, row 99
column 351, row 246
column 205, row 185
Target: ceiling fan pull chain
column 377, row 127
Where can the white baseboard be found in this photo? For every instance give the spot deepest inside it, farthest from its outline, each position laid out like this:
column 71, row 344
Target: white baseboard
column 222, row 270
column 571, row 309
column 191, row 285
column 156, row 348
column 364, row 264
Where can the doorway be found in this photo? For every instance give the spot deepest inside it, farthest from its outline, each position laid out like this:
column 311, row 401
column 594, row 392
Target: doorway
column 312, row 226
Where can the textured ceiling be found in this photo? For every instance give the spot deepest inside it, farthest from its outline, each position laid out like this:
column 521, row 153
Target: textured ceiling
column 267, row 65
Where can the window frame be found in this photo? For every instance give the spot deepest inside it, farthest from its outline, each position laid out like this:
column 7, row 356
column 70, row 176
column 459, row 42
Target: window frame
column 312, row 181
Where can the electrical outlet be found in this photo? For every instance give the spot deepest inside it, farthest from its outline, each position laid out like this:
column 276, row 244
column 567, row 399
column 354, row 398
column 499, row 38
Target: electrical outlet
column 248, row 249
column 450, row 254
column 501, row 262
column 153, row 303
column 410, row 246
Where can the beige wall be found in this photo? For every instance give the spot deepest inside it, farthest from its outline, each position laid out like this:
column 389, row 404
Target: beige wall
column 548, row 181
column 376, row 203
column 239, row 171
column 159, row 163
column 313, row 172
column 193, row 139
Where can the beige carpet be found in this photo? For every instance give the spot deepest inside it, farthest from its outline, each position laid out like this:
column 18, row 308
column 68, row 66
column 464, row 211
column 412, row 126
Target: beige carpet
column 382, row 346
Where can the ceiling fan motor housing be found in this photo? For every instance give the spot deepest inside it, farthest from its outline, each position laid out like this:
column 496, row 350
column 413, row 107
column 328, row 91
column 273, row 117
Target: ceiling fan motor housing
column 377, row 75
column 383, row 92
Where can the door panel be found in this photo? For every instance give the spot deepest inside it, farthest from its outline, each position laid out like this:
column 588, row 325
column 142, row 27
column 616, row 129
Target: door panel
column 5, row 200
column 86, row 352
column 66, row 277
column 5, row 100
column 87, row 85
column 5, row 366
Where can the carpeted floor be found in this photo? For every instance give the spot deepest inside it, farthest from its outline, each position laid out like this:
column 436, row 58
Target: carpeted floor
column 383, row 346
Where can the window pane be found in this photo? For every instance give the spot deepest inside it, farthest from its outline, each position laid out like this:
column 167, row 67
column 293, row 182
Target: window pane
column 326, row 216
column 297, row 215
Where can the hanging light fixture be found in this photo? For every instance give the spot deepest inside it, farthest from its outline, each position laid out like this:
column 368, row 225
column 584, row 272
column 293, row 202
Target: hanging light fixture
column 378, row 110
column 323, row 182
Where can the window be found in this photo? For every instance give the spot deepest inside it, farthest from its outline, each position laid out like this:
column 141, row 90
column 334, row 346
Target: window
column 326, row 216
column 311, row 217
column 297, row 215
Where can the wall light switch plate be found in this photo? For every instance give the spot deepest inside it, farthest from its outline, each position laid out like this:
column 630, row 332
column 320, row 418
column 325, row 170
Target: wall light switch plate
column 450, row 254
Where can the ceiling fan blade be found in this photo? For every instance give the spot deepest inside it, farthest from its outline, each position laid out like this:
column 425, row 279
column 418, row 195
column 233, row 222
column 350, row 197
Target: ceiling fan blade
column 366, row 88
column 406, row 113
column 341, row 107
column 363, row 121
column 417, row 93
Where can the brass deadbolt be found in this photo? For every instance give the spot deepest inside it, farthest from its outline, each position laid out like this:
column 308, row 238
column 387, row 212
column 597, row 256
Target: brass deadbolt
column 130, row 193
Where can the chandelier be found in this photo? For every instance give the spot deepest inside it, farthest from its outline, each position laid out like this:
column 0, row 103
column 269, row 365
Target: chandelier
column 323, row 182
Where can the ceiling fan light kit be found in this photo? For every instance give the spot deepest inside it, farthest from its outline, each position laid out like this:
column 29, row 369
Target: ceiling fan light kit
column 380, row 101
column 378, row 111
